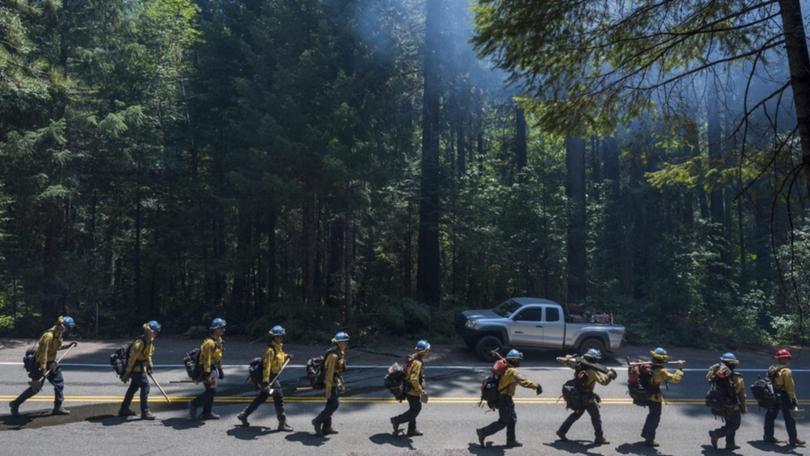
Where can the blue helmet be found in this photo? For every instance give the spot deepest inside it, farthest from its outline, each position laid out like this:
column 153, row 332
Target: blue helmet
column 422, row 346
column 729, row 358
column 659, row 354
column 217, row 323
column 514, row 354
column 341, row 337
column 67, row 322
column 277, row 331
column 592, row 354
column 153, row 326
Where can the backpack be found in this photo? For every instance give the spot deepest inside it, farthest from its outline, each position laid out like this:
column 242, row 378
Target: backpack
column 721, row 397
column 489, row 391
column 639, row 383
column 256, row 370
column 120, row 358
column 489, row 387
column 192, row 364
column 395, row 381
column 315, row 371
column 765, row 394
column 30, row 361
column 574, row 394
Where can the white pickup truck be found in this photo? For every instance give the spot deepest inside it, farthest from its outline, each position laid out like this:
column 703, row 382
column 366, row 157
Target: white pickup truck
column 534, row 323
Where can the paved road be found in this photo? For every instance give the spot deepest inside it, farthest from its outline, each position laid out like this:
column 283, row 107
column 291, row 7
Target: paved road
column 448, row 420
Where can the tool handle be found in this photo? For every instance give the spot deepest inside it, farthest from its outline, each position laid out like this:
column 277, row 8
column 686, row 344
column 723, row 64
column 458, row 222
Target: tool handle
column 166, row 396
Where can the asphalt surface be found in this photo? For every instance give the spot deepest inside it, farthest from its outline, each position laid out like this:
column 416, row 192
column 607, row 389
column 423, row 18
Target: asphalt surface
column 448, row 420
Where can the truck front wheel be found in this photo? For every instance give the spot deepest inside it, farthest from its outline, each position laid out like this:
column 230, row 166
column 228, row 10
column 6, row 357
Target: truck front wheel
column 485, row 346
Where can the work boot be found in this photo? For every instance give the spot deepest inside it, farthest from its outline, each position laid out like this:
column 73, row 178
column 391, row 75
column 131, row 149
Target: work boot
column 514, row 444
column 732, row 447
column 147, row 415
column 770, row 439
column 797, row 443
column 60, row 411
column 330, row 431
column 210, row 416
column 243, row 419
column 714, row 438
column 318, row 428
column 600, row 440
column 192, row 411
column 561, row 436
column 395, row 427
column 481, row 438
column 651, row 443
column 414, row 433
column 283, row 426
column 15, row 409
column 123, row 413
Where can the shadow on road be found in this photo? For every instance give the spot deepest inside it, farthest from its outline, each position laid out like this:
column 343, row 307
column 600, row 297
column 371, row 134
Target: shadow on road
column 573, row 446
column 9, row 422
column 637, row 448
column 181, row 424
column 386, row 438
column 772, row 448
column 709, row 450
column 250, row 433
column 107, row 420
column 306, row 439
column 489, row 450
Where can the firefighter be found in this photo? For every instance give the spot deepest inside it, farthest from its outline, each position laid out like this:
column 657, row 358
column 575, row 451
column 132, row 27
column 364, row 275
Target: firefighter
column 722, row 372
column 210, row 360
column 785, row 388
column 333, row 365
column 272, row 362
column 414, row 390
column 139, row 367
column 507, row 418
column 49, row 343
column 660, row 375
column 586, row 376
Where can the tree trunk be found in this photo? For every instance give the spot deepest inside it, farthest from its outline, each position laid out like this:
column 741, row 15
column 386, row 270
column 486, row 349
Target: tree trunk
column 715, row 151
column 309, row 247
column 521, row 149
column 428, row 287
column 575, row 190
column 799, row 63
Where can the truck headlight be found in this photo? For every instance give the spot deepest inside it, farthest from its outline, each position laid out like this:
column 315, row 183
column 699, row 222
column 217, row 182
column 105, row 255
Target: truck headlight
column 471, row 324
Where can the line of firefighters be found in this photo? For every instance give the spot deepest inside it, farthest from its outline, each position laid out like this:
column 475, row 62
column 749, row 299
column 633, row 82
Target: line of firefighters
column 587, row 373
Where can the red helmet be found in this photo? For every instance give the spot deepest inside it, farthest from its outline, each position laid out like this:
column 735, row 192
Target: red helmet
column 782, row 353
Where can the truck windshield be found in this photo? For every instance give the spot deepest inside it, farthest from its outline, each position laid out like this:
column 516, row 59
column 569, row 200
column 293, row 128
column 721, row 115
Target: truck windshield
column 506, row 308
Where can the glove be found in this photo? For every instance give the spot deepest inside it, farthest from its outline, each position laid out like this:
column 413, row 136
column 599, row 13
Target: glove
column 539, row 390
column 612, row 374
column 125, row 378
column 265, row 385
column 424, row 397
column 149, row 370
column 221, row 374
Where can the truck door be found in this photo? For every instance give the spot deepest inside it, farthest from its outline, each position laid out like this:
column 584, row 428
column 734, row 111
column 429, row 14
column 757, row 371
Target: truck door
column 527, row 327
column 553, row 327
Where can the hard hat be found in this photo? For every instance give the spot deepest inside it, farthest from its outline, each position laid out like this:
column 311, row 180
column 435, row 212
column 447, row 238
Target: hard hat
column 153, row 326
column 729, row 359
column 217, row 323
column 67, row 322
column 592, row 354
column 277, row 331
column 422, row 346
column 514, row 354
column 659, row 354
column 341, row 337
column 783, row 353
